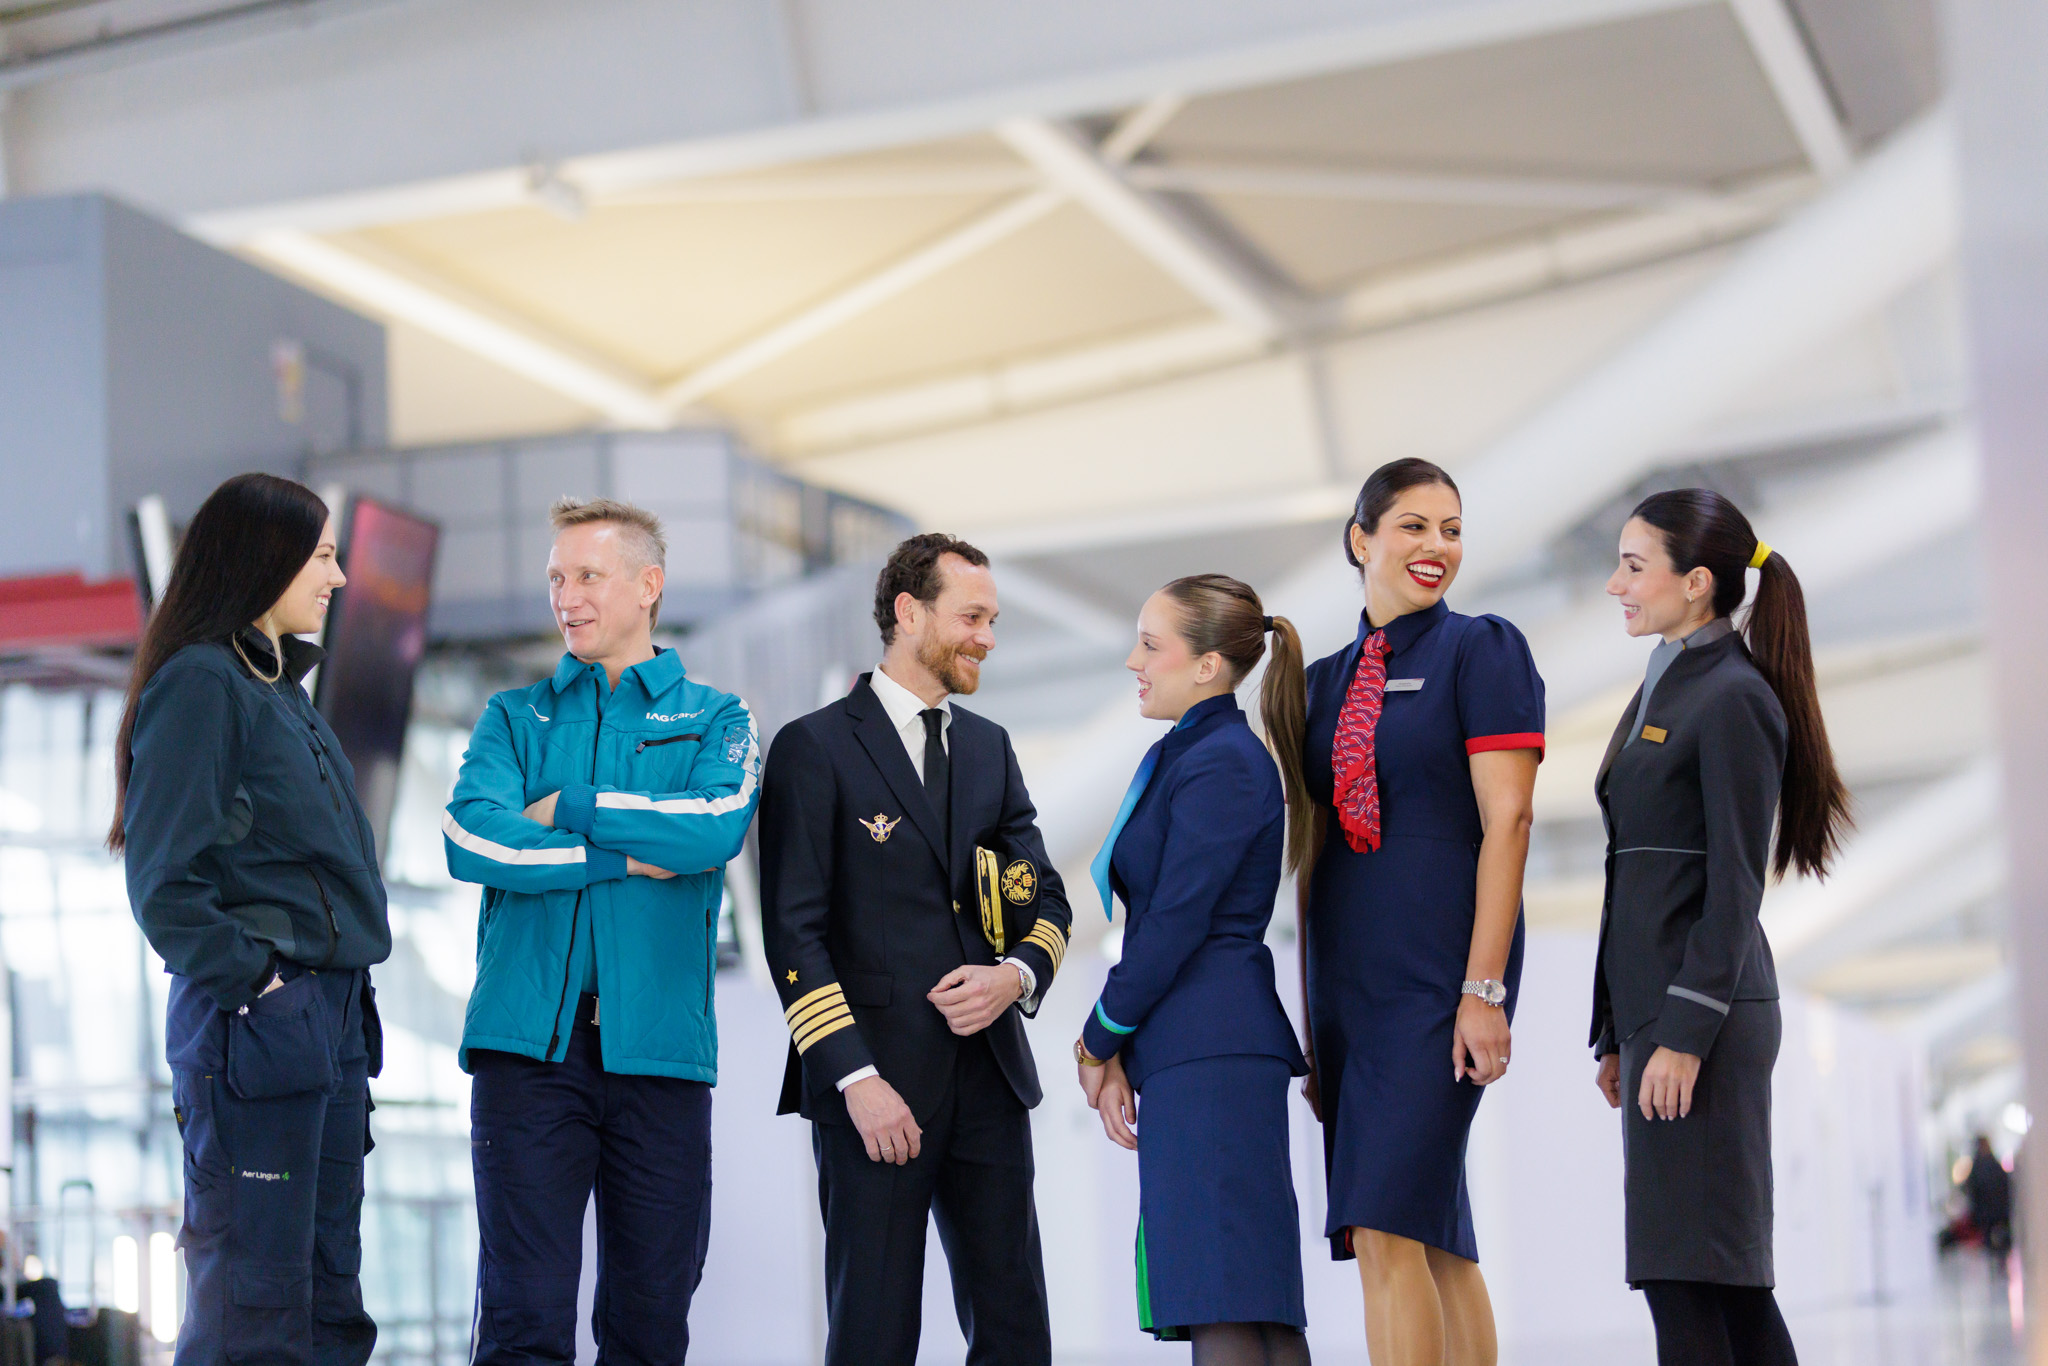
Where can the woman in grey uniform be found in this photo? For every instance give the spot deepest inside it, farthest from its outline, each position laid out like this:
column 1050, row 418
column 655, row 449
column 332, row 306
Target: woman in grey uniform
column 1724, row 734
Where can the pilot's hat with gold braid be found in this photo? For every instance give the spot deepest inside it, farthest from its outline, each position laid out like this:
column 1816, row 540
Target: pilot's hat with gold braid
column 1006, row 894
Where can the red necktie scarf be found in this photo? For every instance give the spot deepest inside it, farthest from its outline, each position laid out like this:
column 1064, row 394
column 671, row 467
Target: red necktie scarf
column 1353, row 755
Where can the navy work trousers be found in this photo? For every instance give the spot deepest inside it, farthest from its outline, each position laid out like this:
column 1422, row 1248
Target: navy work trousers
column 273, row 1103
column 543, row 1136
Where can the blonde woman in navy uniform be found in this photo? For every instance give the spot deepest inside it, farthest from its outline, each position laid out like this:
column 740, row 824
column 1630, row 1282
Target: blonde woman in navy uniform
column 1189, row 1017
column 1724, row 736
column 1421, row 753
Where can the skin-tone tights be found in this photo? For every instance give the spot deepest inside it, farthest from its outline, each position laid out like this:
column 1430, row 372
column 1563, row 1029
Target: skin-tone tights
column 1423, row 1306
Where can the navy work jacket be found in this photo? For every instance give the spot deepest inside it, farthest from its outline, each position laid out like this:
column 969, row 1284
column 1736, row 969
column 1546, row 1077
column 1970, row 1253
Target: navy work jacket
column 1198, row 866
column 245, row 842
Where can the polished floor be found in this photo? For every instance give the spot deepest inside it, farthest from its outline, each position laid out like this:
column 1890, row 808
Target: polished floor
column 1970, row 1317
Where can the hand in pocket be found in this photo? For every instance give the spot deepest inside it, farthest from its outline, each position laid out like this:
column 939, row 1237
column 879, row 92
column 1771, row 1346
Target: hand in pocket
column 281, row 1043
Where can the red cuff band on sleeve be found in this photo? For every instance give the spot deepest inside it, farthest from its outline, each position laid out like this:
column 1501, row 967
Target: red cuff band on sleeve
column 1528, row 739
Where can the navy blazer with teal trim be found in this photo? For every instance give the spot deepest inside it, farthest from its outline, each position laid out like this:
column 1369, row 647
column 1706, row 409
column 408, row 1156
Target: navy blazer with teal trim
column 1198, row 866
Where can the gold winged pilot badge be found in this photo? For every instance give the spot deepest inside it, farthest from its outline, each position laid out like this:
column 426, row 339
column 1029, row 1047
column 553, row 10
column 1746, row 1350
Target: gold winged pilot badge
column 881, row 827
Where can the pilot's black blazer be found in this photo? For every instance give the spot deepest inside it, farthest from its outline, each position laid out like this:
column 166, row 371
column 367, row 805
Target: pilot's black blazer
column 863, row 912
column 1688, row 807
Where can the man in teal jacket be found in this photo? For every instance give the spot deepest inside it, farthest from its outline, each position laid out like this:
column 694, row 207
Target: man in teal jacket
column 598, row 809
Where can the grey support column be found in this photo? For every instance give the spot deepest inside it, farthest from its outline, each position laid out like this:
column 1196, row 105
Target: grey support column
column 1999, row 50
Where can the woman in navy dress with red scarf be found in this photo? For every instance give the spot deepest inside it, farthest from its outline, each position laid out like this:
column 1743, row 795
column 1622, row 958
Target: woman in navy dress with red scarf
column 1422, row 743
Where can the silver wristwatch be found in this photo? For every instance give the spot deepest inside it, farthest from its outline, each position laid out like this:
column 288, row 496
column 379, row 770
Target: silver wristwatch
column 1490, row 991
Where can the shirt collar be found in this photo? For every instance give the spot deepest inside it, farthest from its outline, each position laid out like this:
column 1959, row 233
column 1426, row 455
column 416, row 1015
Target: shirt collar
column 1404, row 631
column 1708, row 634
column 903, row 706
column 656, row 675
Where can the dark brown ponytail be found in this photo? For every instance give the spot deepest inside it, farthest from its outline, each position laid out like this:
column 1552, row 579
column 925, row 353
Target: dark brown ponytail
column 1702, row 528
column 1221, row 614
column 1283, row 707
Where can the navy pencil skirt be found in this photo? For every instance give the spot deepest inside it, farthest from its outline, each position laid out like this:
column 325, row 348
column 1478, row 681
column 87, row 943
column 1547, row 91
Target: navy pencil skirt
column 1219, row 1234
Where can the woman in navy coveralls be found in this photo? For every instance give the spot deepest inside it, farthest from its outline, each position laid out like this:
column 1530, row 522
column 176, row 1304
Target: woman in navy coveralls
column 1421, row 751
column 1189, row 1016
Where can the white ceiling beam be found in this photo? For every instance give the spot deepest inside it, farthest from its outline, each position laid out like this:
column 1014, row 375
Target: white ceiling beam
column 1397, row 298
column 1015, row 386
column 1074, row 614
column 825, row 184
column 1137, row 129
column 1883, row 227
column 1282, row 181
column 1795, row 77
column 400, row 294
column 978, row 234
column 1943, row 887
column 1825, row 536
column 1169, row 522
column 1835, row 262
column 1953, row 1012
column 937, row 71
column 1930, row 829
column 1160, row 230
column 114, row 49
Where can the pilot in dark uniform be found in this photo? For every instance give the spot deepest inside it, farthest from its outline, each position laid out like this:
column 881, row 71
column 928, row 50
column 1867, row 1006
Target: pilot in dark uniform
column 889, row 820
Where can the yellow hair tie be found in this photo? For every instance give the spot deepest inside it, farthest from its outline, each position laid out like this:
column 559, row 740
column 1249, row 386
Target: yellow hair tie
column 1763, row 552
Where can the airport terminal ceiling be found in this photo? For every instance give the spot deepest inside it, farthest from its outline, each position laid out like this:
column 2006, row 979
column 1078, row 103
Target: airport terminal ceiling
column 1408, row 251
column 1150, row 298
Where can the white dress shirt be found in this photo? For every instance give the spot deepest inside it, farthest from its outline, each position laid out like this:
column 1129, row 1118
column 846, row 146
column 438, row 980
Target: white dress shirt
column 905, row 710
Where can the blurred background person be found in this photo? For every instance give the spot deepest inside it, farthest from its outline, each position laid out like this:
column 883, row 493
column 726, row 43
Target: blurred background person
column 1988, row 1188
column 1190, row 1018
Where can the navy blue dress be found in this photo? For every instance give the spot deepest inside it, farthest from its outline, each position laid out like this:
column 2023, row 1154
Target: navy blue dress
column 1192, row 1008
column 1389, row 931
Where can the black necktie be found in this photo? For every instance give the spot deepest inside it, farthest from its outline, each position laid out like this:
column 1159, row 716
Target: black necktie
column 935, row 767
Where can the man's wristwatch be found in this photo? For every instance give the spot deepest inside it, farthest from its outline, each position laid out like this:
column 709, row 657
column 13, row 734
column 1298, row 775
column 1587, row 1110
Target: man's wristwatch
column 1023, row 982
column 1081, row 1055
column 1489, row 990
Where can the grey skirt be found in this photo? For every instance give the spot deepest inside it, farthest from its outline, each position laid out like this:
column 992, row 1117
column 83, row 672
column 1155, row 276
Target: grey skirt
column 1699, row 1188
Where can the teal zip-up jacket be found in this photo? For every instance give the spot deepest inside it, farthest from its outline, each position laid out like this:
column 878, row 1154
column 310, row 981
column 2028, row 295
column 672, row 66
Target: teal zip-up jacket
column 663, row 769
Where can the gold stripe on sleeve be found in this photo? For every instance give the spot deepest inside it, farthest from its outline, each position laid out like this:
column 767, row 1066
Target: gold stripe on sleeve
column 797, row 1023
column 809, row 999
column 822, row 1026
column 1051, row 940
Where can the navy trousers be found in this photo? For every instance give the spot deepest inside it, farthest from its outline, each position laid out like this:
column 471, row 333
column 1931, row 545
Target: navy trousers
column 543, row 1136
column 972, row 1176
column 273, row 1103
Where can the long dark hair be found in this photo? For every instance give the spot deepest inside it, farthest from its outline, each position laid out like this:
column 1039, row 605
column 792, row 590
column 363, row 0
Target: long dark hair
column 1221, row 614
column 1382, row 487
column 1703, row 529
column 246, row 544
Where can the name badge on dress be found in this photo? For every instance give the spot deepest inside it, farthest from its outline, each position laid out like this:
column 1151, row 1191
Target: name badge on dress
column 1404, row 685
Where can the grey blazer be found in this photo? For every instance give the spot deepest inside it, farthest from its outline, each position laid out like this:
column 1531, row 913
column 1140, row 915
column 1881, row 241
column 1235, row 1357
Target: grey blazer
column 1688, row 808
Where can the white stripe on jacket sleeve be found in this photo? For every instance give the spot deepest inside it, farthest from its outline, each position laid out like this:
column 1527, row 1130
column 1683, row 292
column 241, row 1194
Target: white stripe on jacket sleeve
column 696, row 806
column 505, row 853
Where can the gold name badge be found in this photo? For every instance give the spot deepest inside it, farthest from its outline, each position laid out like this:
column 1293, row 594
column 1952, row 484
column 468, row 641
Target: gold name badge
column 1655, row 734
